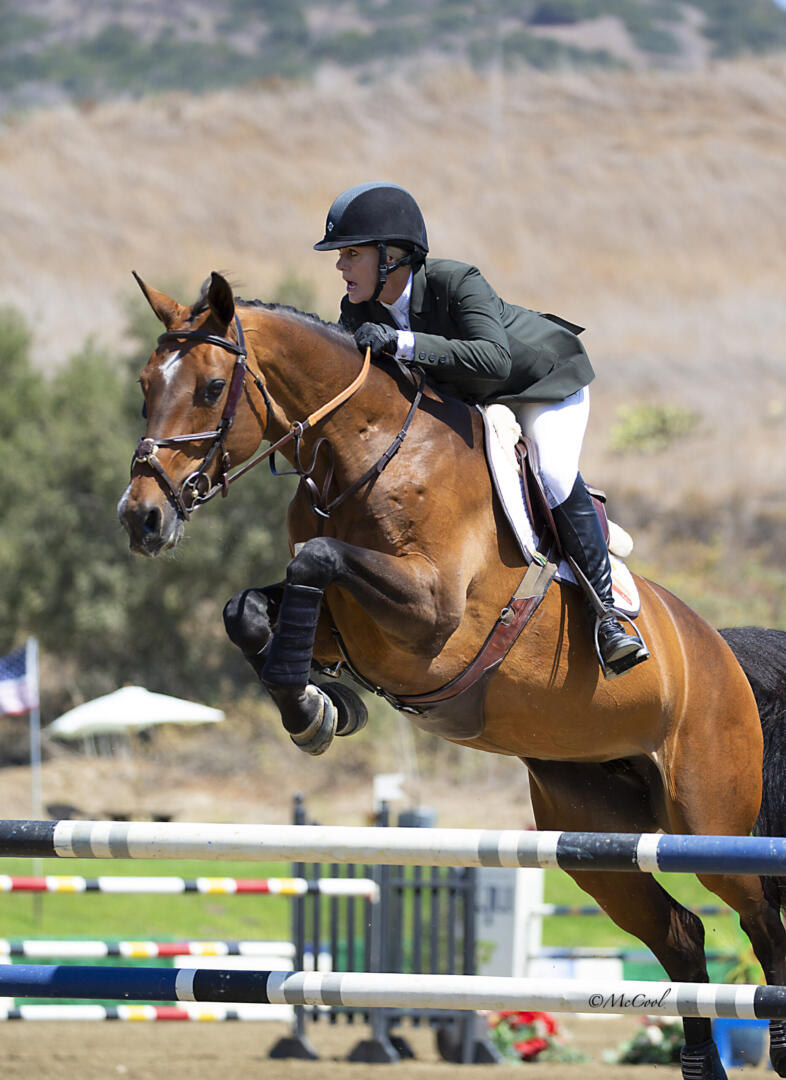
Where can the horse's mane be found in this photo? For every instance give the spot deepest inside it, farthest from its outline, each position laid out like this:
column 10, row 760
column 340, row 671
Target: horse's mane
column 332, row 328
column 201, row 306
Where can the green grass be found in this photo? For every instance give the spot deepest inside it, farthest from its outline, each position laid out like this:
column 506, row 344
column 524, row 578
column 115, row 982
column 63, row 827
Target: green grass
column 722, row 931
column 179, row 916
column 229, row 917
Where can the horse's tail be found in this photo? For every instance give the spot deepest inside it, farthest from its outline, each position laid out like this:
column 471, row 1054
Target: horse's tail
column 761, row 654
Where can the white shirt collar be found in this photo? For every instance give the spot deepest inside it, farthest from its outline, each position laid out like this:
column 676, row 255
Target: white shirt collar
column 400, row 310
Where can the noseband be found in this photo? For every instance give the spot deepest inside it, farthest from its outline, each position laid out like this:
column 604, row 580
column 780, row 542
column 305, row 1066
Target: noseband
column 198, row 487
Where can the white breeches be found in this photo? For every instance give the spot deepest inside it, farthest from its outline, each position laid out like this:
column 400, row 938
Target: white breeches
column 557, row 429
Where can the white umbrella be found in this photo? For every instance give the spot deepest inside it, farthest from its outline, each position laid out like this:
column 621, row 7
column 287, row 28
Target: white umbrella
column 130, row 708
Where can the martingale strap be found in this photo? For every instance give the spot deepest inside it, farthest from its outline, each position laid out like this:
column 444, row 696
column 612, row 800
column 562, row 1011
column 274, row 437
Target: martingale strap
column 319, row 498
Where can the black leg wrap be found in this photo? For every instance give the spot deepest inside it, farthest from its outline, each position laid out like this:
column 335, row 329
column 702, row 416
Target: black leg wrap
column 249, row 618
column 702, row 1062
column 288, row 657
column 778, row 1046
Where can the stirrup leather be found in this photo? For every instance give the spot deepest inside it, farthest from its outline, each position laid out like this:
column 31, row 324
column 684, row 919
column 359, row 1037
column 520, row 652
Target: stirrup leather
column 620, row 667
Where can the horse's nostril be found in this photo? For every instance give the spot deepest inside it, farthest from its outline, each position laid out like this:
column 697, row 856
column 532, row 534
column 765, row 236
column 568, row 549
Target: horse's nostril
column 151, row 523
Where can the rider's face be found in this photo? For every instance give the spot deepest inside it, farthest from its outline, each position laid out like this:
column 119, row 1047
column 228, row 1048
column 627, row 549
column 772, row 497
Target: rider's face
column 358, row 266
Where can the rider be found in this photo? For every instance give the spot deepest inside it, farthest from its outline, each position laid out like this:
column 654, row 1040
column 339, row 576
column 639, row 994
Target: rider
column 445, row 317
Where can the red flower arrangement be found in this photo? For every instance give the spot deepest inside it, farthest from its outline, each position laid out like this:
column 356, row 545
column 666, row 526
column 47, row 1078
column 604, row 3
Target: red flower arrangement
column 522, row 1035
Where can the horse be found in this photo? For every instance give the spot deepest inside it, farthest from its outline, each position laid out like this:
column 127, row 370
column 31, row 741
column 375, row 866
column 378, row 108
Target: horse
column 401, row 562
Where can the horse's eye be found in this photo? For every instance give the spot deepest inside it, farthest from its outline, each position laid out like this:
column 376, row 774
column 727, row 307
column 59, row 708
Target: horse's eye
column 213, row 391
column 144, row 410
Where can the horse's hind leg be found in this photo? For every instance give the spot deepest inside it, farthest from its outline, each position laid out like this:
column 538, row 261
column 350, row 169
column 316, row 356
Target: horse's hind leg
column 626, row 797
column 724, row 800
column 760, row 918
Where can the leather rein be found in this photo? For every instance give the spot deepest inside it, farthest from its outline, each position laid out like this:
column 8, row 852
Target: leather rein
column 198, row 488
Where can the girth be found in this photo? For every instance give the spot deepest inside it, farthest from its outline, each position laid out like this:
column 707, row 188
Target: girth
column 456, row 710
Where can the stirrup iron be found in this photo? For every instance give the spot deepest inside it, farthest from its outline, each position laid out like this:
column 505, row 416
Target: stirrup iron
column 619, row 667
column 610, row 671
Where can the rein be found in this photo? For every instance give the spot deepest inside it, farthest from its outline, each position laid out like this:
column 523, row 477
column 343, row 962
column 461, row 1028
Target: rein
column 319, row 498
column 198, row 488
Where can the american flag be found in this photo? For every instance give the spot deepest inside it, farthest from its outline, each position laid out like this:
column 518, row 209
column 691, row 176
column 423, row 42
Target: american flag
column 18, row 692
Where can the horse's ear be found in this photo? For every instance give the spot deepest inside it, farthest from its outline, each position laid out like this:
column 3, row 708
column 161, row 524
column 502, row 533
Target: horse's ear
column 166, row 309
column 220, row 298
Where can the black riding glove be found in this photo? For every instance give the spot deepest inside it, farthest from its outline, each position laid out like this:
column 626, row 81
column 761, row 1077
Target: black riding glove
column 380, row 338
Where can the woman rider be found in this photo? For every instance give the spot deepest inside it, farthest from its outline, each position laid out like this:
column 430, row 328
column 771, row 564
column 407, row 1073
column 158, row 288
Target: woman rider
column 445, row 317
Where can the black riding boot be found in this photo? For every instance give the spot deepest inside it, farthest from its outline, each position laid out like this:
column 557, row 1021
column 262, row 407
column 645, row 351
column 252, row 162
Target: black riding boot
column 582, row 539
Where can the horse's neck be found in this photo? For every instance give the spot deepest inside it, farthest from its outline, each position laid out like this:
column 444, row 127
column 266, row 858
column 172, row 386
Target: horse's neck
column 305, row 368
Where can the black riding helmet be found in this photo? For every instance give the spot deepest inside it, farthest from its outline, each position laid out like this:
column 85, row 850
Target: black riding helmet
column 379, row 213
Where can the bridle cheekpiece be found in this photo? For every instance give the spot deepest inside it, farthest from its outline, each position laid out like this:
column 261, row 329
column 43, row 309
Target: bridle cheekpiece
column 198, row 487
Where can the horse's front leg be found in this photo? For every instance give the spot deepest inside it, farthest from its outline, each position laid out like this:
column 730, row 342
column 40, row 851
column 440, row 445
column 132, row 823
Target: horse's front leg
column 395, row 591
column 250, row 619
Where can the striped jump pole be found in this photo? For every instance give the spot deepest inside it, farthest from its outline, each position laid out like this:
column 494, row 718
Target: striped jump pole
column 363, row 990
column 394, row 846
column 601, row 952
column 549, row 910
column 36, row 948
column 363, row 887
column 136, row 1012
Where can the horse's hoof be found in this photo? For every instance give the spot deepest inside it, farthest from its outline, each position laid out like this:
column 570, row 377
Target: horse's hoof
column 778, row 1046
column 352, row 712
column 702, row 1062
column 317, row 736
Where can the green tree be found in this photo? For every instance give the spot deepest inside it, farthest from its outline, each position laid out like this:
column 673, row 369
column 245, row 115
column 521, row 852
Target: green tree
column 66, row 574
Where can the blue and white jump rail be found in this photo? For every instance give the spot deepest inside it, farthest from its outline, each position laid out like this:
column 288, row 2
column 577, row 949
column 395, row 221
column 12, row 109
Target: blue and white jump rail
column 394, row 846
column 363, row 990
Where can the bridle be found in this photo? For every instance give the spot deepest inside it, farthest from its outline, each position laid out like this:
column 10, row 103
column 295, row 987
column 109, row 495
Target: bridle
column 198, row 488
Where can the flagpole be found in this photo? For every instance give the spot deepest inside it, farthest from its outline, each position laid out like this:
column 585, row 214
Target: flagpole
column 31, row 673
column 31, row 666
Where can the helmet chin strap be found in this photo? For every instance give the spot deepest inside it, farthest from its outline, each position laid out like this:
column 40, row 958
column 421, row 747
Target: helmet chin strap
column 386, row 268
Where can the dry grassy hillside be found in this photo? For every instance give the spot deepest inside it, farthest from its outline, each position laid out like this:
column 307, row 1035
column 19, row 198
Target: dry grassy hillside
column 648, row 207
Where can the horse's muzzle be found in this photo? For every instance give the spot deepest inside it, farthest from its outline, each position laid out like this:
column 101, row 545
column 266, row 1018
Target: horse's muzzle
column 151, row 526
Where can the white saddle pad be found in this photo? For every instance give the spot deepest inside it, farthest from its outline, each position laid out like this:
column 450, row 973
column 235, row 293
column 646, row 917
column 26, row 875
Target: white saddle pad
column 502, row 435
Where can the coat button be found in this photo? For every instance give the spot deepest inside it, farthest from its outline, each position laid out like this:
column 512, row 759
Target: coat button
column 432, row 356
column 421, row 356
column 443, row 359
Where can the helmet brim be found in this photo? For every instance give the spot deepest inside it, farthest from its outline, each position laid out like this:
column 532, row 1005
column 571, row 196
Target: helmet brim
column 342, row 242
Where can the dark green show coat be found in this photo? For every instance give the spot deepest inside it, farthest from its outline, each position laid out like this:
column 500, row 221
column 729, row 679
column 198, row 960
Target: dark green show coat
column 465, row 335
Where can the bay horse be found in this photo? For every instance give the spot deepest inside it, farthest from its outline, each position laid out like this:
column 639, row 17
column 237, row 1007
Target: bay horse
column 401, row 561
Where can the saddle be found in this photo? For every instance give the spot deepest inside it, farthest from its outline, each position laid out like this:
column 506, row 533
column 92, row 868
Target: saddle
column 536, row 502
column 514, row 469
